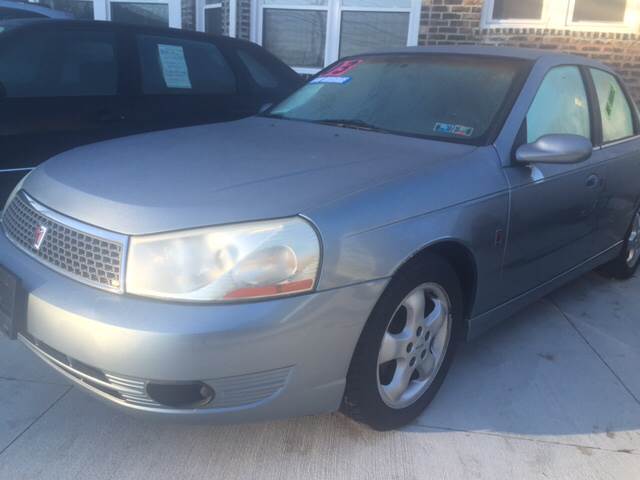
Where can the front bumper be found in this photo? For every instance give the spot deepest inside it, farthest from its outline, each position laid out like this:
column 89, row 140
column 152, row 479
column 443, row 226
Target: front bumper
column 264, row 360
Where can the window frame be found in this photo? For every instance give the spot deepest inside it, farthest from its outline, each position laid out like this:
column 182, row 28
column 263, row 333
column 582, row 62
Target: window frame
column 202, row 7
column 487, row 20
column 334, row 9
column 102, row 9
column 558, row 14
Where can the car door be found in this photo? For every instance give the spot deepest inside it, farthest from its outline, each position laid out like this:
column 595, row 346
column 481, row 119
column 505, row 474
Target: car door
column 185, row 80
column 554, row 208
column 620, row 149
column 61, row 88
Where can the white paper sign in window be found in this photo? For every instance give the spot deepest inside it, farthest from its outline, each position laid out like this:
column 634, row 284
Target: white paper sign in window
column 174, row 66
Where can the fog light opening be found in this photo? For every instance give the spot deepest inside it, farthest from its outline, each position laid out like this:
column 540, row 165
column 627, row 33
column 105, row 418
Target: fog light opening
column 181, row 395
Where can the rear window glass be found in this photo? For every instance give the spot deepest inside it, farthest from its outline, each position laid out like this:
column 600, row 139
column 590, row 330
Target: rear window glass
column 59, row 63
column 453, row 97
column 258, row 70
column 183, row 67
column 617, row 119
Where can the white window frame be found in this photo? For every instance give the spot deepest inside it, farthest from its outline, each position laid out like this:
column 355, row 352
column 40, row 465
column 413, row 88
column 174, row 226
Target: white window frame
column 201, row 7
column 334, row 11
column 558, row 14
column 630, row 23
column 102, row 9
column 174, row 7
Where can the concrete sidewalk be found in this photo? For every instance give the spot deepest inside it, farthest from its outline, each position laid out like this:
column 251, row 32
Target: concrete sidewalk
column 554, row 393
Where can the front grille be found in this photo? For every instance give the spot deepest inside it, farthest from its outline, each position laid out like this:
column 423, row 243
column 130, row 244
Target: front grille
column 67, row 246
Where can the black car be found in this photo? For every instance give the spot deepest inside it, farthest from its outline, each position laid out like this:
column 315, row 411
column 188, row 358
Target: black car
column 66, row 83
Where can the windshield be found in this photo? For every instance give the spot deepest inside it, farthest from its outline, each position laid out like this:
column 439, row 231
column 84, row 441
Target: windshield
column 453, row 97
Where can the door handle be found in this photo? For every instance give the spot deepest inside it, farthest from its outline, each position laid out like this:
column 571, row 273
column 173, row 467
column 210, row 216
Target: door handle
column 593, row 181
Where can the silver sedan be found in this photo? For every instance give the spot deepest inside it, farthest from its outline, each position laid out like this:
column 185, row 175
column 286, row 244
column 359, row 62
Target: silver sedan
column 331, row 252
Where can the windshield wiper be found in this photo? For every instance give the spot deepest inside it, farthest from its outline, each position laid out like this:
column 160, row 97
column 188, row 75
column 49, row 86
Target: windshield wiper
column 352, row 123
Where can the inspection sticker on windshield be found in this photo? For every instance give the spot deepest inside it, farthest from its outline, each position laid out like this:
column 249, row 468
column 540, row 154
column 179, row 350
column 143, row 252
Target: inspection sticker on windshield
column 334, row 80
column 451, row 129
column 174, row 66
column 343, row 67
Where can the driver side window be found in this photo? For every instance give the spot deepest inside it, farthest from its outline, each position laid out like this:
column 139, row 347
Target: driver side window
column 560, row 106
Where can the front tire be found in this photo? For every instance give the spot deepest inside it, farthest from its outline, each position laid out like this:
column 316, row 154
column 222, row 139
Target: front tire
column 406, row 347
column 624, row 266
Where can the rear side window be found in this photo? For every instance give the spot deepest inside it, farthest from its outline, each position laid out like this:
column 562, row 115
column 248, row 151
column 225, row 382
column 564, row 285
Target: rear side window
column 183, row 67
column 58, row 63
column 560, row 106
column 258, row 70
column 617, row 119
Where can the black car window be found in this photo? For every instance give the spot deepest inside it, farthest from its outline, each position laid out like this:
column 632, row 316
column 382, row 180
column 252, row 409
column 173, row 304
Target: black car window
column 178, row 66
column 258, row 70
column 58, row 63
column 11, row 13
column 617, row 119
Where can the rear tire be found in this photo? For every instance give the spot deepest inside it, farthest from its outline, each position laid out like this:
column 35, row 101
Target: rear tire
column 410, row 338
column 624, row 266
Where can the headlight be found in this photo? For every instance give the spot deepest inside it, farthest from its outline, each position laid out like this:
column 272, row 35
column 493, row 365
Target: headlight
column 227, row 263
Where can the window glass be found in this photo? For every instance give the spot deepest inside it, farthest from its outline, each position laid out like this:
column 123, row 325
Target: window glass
column 599, row 10
column 81, row 9
column 151, row 14
column 617, row 120
column 368, row 31
column 455, row 97
column 60, row 63
column 184, row 67
column 258, row 70
column 296, row 36
column 560, row 106
column 517, row 9
column 213, row 20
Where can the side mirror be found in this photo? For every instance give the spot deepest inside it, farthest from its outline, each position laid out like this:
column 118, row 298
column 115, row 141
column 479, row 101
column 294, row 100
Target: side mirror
column 265, row 107
column 559, row 149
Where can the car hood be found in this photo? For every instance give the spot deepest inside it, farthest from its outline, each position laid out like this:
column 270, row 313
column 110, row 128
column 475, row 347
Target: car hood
column 257, row 168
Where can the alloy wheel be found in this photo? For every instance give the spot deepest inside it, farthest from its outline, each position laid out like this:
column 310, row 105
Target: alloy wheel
column 633, row 242
column 414, row 345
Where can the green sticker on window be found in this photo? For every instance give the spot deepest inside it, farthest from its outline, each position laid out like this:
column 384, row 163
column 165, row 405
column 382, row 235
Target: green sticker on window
column 611, row 100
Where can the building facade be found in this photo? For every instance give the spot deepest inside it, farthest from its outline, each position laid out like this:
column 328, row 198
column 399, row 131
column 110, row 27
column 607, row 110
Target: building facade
column 310, row 34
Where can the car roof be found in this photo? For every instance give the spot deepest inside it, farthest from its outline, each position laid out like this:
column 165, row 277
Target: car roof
column 29, row 7
column 530, row 54
column 25, row 23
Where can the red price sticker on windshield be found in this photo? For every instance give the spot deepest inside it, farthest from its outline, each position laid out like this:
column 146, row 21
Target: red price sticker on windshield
column 342, row 68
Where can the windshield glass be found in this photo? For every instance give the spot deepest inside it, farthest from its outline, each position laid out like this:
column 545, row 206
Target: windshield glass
column 453, row 97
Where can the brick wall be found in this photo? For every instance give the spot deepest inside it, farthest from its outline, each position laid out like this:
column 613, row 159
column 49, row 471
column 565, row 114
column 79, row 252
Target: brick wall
column 446, row 22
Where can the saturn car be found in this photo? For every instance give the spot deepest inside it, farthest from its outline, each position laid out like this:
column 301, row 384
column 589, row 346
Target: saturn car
column 331, row 252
